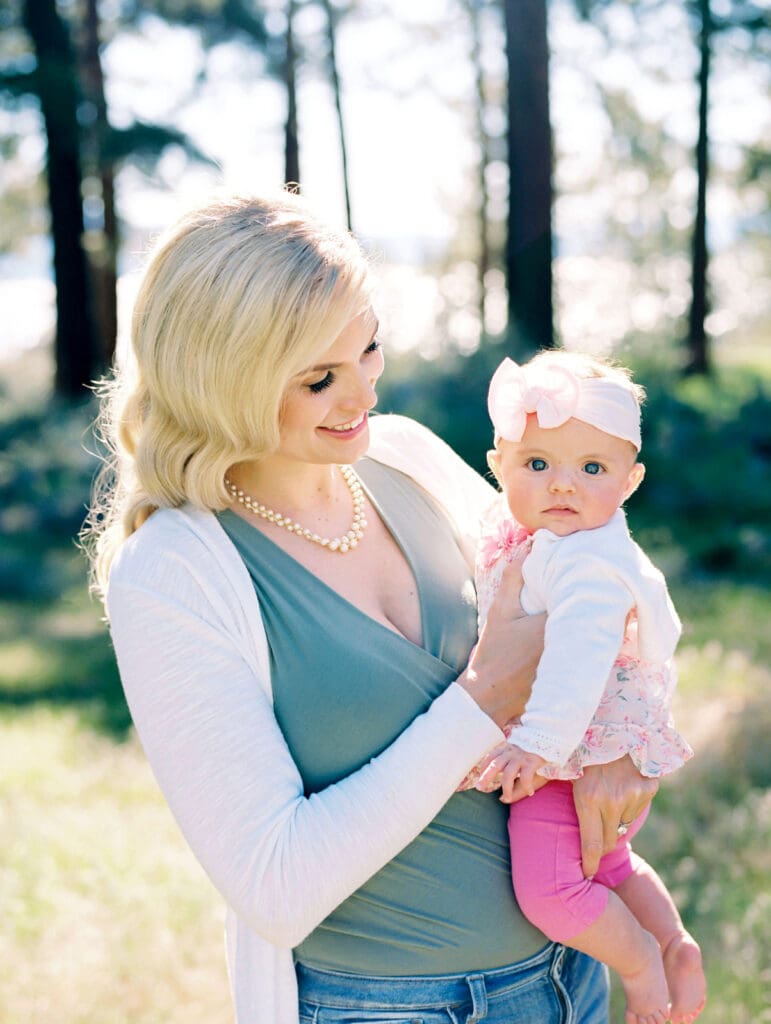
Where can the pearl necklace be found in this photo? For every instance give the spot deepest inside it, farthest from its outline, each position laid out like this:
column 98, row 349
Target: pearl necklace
column 342, row 544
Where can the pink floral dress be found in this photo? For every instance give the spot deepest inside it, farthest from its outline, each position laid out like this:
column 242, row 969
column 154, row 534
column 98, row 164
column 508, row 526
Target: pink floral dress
column 634, row 714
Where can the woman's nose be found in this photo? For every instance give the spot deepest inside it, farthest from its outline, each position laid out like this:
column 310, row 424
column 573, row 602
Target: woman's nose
column 365, row 396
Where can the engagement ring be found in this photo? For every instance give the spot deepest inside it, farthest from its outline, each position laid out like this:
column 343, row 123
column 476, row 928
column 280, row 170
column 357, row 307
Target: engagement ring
column 623, row 828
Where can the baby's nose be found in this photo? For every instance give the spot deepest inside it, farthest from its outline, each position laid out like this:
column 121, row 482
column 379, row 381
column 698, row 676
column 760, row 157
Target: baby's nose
column 563, row 480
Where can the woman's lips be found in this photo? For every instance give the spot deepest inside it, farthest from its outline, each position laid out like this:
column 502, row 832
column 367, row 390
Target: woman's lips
column 347, row 433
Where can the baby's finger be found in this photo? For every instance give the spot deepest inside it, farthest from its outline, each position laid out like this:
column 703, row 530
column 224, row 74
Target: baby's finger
column 527, row 779
column 509, row 778
column 490, row 777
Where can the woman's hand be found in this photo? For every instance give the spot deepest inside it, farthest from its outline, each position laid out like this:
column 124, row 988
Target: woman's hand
column 500, row 673
column 606, row 797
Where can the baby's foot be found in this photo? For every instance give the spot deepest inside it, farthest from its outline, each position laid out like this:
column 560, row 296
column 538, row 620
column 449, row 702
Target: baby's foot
column 647, row 996
column 685, row 977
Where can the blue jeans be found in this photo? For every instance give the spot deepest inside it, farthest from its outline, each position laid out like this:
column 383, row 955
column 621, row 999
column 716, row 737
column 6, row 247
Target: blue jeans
column 556, row 986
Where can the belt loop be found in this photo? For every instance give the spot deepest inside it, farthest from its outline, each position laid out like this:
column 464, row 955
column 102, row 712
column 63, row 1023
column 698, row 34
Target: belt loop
column 559, row 956
column 556, row 974
column 476, row 984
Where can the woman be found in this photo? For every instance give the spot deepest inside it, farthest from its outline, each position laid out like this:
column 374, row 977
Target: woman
column 294, row 637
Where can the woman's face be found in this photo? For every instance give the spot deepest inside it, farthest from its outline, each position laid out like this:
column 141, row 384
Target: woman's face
column 324, row 416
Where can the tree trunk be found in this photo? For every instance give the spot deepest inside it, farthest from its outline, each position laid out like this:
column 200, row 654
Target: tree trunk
column 335, row 77
column 698, row 360
column 104, row 256
column 291, row 145
column 483, row 142
column 529, row 242
column 76, row 346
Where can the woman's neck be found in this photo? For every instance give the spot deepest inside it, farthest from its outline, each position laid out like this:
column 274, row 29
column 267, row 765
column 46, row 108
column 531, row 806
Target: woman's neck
column 290, row 486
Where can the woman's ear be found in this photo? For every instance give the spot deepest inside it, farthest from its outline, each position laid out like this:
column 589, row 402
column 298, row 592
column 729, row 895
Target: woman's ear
column 494, row 462
column 636, row 476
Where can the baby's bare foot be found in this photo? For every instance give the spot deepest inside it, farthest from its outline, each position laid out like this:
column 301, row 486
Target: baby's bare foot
column 685, row 977
column 647, row 998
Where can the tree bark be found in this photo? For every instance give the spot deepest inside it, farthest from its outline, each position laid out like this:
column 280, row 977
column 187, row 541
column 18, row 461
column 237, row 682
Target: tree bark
column 483, row 142
column 104, row 256
column 75, row 346
column 698, row 360
column 529, row 242
column 334, row 75
column 291, row 144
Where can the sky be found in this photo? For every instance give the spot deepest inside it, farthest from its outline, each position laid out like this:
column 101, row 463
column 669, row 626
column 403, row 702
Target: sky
column 406, row 86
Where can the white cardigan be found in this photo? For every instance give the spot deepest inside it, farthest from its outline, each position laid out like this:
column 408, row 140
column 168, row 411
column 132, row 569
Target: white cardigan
column 193, row 660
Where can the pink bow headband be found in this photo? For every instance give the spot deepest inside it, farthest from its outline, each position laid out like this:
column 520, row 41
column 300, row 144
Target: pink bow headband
column 555, row 394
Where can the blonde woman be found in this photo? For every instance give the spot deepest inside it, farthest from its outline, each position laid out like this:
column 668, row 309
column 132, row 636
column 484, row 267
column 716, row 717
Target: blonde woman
column 289, row 584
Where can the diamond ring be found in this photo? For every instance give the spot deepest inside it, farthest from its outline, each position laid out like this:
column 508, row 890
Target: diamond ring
column 623, row 828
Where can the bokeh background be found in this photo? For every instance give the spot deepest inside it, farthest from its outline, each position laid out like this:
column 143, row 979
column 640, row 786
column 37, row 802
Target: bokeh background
column 586, row 173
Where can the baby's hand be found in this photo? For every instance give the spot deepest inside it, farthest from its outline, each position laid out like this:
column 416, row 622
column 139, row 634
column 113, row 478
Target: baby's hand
column 516, row 768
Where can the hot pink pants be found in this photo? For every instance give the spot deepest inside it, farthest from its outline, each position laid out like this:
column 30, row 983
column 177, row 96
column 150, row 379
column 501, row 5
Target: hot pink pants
column 549, row 883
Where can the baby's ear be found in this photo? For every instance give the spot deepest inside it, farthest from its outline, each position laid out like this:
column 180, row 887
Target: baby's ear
column 494, row 462
column 636, row 476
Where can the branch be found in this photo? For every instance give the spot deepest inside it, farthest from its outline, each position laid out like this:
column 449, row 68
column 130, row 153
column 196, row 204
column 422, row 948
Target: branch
column 148, row 141
column 19, row 83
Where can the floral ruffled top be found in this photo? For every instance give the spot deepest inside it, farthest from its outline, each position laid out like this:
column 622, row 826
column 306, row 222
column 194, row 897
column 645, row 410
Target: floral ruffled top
column 634, row 712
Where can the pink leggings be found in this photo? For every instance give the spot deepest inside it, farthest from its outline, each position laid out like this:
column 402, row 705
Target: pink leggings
column 549, row 884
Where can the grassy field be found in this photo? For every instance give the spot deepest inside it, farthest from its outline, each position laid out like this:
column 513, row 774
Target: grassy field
column 107, row 918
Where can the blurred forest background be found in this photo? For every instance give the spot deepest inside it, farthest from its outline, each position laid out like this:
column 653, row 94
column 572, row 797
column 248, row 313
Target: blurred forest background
column 586, row 173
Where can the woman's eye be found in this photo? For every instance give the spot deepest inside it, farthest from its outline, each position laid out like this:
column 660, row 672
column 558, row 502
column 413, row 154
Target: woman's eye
column 592, row 468
column 539, row 465
column 373, row 346
column 320, row 385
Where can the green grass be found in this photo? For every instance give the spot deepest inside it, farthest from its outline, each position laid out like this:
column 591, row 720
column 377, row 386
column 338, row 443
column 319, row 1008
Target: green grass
column 107, row 918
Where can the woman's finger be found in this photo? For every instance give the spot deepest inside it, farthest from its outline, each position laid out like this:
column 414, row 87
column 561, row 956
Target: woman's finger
column 508, row 594
column 604, row 797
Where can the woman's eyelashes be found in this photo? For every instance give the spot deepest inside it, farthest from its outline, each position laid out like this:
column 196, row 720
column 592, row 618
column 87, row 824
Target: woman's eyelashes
column 329, row 378
column 320, row 385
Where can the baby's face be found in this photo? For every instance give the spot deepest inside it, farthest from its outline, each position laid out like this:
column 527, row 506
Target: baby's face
column 566, row 479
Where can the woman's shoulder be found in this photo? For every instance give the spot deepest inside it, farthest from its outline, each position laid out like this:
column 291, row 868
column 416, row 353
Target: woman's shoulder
column 392, row 430
column 409, row 446
column 172, row 542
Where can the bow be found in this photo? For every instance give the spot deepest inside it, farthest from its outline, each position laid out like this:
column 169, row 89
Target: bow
column 551, row 392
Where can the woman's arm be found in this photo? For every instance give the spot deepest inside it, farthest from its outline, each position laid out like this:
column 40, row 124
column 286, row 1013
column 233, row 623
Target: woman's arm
column 510, row 639
column 282, row 860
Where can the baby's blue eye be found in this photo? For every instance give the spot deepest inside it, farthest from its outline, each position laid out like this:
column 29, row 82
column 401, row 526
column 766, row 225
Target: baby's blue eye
column 539, row 465
column 592, row 468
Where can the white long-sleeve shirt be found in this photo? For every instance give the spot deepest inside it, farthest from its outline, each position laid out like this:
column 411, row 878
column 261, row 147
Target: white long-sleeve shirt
column 194, row 663
column 587, row 583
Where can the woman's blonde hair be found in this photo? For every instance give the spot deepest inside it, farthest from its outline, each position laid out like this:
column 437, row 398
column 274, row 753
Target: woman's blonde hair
column 238, row 297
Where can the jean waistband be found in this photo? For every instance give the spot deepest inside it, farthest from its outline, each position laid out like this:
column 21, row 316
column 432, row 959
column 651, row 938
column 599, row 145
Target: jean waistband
column 365, row 991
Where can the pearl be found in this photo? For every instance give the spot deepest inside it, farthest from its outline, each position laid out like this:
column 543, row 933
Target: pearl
column 342, row 544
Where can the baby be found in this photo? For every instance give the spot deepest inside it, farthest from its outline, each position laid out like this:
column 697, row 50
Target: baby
column 567, row 436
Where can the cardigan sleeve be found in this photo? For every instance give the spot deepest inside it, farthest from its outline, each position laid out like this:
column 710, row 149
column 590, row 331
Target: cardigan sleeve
column 281, row 860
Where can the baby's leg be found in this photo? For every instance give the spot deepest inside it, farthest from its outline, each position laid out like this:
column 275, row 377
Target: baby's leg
column 580, row 912
column 649, row 900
